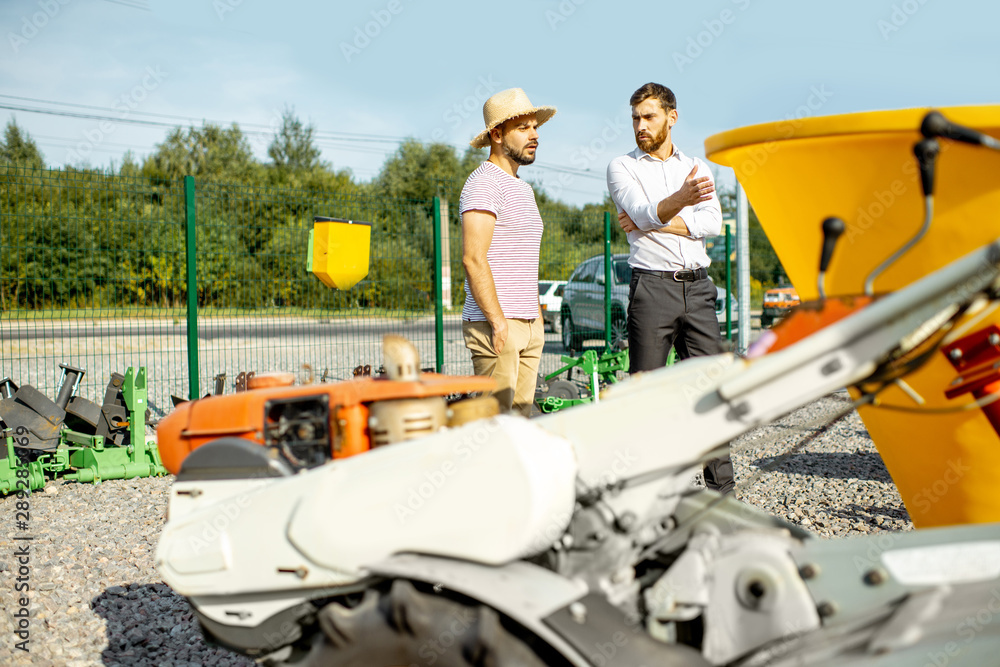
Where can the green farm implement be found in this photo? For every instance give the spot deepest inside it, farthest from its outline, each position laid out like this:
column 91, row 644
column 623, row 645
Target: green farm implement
column 597, row 371
column 554, row 395
column 73, row 438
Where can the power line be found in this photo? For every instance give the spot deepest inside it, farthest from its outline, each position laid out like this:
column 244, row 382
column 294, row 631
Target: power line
column 246, row 127
column 49, row 140
column 97, row 149
column 349, row 136
column 586, row 173
column 344, row 141
column 136, row 4
column 335, row 143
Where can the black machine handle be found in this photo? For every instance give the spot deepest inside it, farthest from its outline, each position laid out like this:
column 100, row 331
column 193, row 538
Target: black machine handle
column 927, row 152
column 936, row 125
column 832, row 229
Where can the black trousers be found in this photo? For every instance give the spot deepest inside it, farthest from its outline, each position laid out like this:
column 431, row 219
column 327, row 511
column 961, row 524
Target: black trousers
column 662, row 313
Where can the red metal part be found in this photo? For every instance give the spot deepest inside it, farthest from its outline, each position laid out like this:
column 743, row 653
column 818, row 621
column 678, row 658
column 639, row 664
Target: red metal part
column 977, row 359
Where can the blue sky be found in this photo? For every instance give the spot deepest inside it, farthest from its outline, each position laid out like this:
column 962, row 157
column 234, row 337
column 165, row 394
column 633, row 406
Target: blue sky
column 371, row 72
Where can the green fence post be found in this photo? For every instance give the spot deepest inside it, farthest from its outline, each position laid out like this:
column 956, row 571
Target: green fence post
column 729, row 285
column 438, row 290
column 191, row 249
column 607, row 281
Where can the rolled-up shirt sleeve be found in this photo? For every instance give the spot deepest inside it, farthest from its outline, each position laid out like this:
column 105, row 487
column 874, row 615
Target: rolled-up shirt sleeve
column 629, row 197
column 704, row 219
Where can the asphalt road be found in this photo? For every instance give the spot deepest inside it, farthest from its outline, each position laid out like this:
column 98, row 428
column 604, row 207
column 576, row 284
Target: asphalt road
column 31, row 351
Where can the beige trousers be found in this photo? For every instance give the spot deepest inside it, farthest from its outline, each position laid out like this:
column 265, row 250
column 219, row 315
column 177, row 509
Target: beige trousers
column 516, row 368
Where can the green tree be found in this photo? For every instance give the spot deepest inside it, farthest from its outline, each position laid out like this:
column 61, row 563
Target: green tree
column 209, row 153
column 294, row 145
column 19, row 149
column 764, row 263
column 420, row 171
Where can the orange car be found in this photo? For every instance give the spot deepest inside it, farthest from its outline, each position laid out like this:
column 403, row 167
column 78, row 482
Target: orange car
column 777, row 302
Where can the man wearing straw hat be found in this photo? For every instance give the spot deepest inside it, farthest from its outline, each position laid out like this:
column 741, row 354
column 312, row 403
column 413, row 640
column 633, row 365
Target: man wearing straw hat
column 667, row 205
column 501, row 235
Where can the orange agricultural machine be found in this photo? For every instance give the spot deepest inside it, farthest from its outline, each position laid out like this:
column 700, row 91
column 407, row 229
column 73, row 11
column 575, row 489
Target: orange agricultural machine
column 307, row 425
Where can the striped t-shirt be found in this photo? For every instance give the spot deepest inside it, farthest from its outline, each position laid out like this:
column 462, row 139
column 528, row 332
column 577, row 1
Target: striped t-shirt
column 513, row 253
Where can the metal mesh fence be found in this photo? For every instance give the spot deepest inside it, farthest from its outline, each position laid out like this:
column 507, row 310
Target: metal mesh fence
column 261, row 311
column 94, row 273
column 88, row 277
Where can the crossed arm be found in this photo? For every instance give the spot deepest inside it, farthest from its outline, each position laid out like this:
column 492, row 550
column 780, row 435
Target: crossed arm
column 638, row 213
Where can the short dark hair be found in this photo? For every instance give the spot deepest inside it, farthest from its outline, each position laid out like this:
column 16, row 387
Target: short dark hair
column 662, row 93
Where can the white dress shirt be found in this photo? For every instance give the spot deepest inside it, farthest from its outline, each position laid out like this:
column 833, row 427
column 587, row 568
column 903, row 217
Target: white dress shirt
column 637, row 182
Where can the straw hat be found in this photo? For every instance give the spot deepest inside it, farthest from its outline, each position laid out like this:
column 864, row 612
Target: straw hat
column 502, row 107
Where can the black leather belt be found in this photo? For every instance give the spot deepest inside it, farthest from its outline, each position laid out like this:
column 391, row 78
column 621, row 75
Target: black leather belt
column 682, row 276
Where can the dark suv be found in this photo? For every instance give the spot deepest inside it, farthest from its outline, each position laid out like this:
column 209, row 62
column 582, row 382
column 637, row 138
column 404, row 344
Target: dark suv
column 582, row 313
column 583, row 301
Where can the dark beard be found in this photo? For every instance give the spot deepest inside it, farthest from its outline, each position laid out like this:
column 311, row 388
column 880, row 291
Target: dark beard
column 650, row 145
column 516, row 155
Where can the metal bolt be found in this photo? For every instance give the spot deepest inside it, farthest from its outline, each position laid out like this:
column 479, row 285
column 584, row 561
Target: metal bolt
column 578, row 612
column 627, row 521
column 826, row 609
column 808, row 571
column 958, row 380
column 994, row 339
column 955, row 354
column 876, row 576
column 301, row 571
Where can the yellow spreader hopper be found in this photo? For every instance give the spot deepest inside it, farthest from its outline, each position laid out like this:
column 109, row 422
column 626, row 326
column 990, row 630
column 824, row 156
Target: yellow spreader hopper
column 861, row 168
column 339, row 251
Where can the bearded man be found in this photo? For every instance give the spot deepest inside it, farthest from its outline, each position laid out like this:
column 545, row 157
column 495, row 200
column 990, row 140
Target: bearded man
column 667, row 206
column 501, row 236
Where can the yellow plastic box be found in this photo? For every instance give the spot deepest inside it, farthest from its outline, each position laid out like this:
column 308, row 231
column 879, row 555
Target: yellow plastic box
column 339, row 251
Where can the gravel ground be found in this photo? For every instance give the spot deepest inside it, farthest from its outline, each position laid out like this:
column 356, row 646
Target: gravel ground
column 97, row 599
